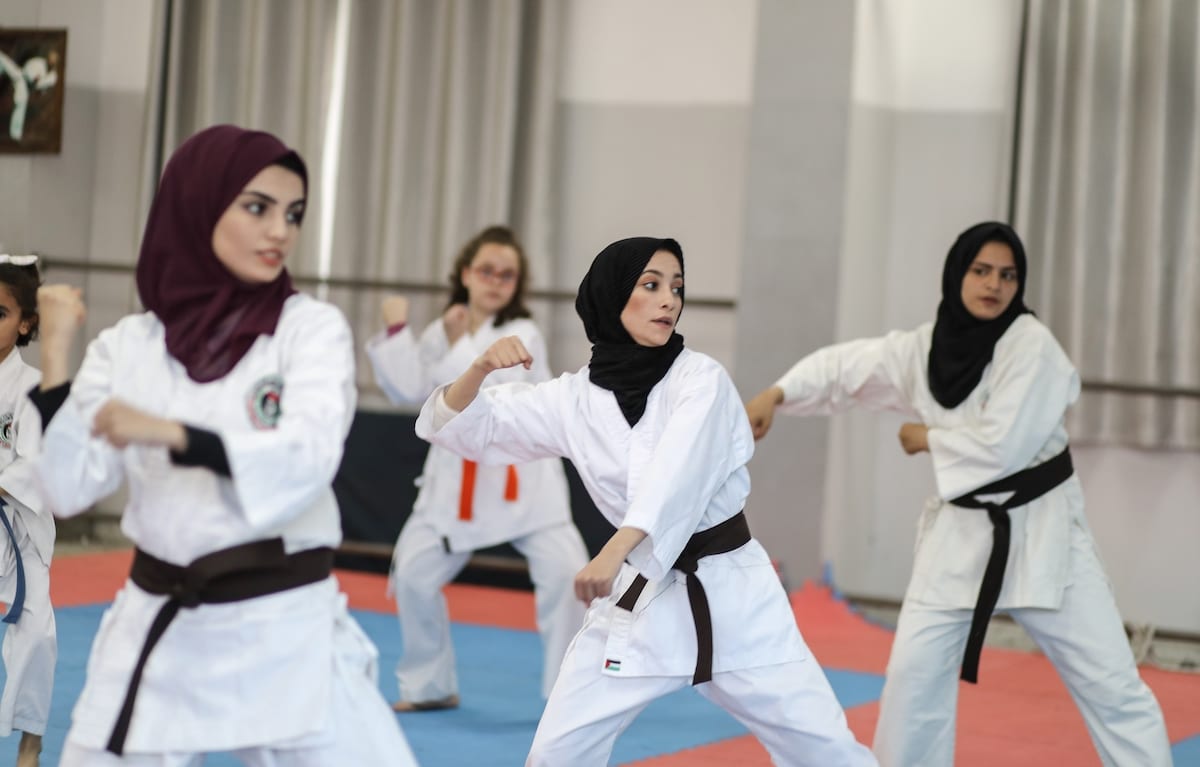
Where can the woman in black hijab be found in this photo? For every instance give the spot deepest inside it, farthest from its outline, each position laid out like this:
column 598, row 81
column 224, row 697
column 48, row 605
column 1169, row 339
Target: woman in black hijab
column 681, row 593
column 989, row 387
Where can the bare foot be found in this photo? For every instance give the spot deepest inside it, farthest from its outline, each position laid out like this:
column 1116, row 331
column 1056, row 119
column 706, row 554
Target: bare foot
column 27, row 752
column 441, row 704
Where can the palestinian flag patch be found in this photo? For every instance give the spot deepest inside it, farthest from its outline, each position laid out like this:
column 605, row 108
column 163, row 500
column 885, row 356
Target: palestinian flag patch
column 263, row 404
column 7, row 431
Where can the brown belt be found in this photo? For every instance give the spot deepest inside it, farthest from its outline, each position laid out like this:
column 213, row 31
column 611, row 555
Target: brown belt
column 731, row 534
column 235, row 574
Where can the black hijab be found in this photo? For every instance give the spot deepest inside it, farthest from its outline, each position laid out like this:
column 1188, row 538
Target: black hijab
column 962, row 345
column 620, row 364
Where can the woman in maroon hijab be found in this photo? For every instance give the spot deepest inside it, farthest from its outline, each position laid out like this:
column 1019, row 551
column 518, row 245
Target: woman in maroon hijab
column 225, row 407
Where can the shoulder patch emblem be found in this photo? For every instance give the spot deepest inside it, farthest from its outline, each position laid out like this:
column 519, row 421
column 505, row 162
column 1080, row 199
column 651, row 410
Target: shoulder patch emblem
column 263, row 403
column 8, row 431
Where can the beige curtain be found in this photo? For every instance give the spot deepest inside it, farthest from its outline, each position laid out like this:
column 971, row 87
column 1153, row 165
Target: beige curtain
column 264, row 64
column 421, row 121
column 448, row 128
column 1108, row 200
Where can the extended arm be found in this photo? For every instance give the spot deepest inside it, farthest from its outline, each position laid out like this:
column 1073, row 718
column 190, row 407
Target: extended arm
column 871, row 373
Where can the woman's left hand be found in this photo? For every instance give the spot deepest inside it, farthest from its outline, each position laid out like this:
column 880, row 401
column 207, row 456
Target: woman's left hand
column 914, row 438
column 122, row 425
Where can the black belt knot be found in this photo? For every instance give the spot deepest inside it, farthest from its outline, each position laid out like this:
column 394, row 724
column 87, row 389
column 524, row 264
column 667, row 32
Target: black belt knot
column 234, row 574
column 1026, row 485
column 728, row 536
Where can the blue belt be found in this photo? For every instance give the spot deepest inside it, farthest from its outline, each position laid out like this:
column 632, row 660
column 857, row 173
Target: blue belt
column 18, row 602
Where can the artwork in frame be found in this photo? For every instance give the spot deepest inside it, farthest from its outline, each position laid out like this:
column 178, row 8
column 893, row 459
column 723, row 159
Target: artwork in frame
column 32, row 81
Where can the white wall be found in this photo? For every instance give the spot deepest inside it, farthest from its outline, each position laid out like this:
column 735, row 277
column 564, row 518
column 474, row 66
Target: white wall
column 659, row 53
column 1142, row 506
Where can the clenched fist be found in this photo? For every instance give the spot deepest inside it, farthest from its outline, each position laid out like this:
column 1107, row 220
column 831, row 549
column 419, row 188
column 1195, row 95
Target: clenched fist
column 761, row 410
column 508, row 352
column 914, row 438
column 122, row 425
column 395, row 310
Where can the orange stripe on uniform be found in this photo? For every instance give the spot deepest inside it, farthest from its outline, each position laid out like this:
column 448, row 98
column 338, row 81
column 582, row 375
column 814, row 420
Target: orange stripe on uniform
column 510, row 485
column 466, row 494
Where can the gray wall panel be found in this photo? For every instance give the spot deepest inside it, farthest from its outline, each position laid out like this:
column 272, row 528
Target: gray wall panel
column 787, row 297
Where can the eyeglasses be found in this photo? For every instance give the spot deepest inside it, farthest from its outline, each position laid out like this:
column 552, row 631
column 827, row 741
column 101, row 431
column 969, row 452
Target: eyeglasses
column 17, row 260
column 491, row 275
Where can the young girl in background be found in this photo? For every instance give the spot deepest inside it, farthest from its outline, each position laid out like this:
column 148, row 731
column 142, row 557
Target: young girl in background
column 225, row 407
column 463, row 506
column 681, row 593
column 27, row 535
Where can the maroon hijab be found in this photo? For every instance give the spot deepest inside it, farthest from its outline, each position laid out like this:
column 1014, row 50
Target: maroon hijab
column 211, row 317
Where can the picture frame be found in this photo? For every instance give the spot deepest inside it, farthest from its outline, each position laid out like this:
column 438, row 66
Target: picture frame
column 32, row 85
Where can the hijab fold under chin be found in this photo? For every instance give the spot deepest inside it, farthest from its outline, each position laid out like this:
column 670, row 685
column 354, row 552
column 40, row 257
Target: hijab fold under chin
column 620, row 364
column 211, row 317
column 962, row 345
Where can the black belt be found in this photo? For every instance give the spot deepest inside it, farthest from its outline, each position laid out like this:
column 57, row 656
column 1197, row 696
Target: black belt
column 242, row 572
column 731, row 534
column 1025, row 486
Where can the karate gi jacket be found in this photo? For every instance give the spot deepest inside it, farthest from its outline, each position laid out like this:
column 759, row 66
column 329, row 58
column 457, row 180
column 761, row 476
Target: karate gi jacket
column 223, row 676
column 681, row 469
column 1013, row 419
column 20, row 439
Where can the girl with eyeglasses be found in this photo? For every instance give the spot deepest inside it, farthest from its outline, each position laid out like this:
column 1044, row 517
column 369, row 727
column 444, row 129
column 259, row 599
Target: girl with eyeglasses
column 463, row 506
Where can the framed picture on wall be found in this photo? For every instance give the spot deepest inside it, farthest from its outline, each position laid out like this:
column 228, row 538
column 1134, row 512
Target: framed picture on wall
column 32, row 68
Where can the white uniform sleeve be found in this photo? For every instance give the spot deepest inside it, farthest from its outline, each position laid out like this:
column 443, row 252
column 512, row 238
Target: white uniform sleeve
column 408, row 369
column 874, row 373
column 76, row 469
column 18, row 479
column 1031, row 385
column 278, row 472
column 507, row 423
column 397, row 366
column 706, row 439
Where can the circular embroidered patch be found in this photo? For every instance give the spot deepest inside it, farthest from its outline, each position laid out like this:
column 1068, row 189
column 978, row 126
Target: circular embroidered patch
column 7, row 431
column 263, row 404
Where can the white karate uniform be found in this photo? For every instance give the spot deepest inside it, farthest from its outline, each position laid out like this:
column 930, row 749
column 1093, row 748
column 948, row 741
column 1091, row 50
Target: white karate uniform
column 436, row 543
column 1054, row 584
column 289, row 673
column 30, row 645
column 681, row 469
